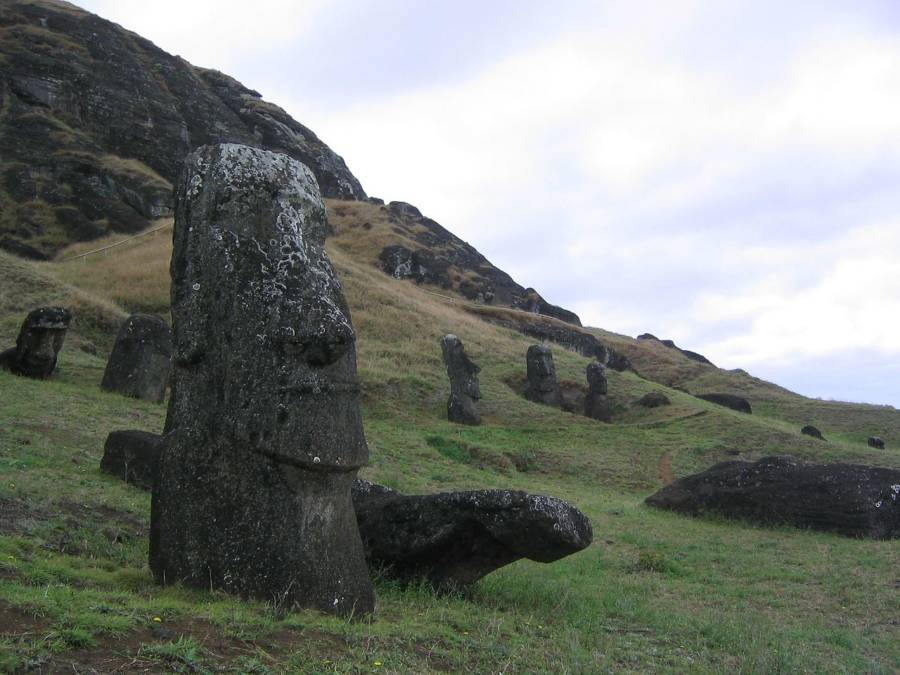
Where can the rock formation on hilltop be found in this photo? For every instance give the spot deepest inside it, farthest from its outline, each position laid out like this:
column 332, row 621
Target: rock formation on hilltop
column 95, row 121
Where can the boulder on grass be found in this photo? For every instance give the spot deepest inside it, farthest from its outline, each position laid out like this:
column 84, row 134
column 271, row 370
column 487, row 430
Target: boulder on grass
column 810, row 430
column 729, row 401
column 850, row 499
column 876, row 442
column 38, row 344
column 141, row 359
column 653, row 399
column 132, row 456
column 452, row 539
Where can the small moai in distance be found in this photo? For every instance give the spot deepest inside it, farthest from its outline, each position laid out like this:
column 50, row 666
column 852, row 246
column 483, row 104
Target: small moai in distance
column 39, row 342
column 264, row 434
column 543, row 386
column 596, row 405
column 141, row 360
column 465, row 390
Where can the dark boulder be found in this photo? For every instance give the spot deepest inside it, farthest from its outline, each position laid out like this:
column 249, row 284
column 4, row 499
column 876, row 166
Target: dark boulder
column 264, row 433
column 132, row 456
column 850, row 499
column 653, row 399
column 810, row 430
column 141, row 360
column 596, row 404
column 543, row 386
column 729, row 401
column 876, row 442
column 465, row 390
column 39, row 342
column 452, row 539
column 404, row 210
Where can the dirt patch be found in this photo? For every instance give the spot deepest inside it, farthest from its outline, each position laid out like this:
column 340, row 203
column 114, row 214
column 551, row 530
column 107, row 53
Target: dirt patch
column 666, row 474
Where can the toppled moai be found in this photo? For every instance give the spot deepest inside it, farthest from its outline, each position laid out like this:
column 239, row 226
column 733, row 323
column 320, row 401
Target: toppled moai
column 264, row 435
column 39, row 343
column 141, row 359
column 464, row 388
column 596, row 405
column 543, row 386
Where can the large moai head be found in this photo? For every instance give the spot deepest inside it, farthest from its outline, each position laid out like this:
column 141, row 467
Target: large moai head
column 596, row 378
column 141, row 359
column 596, row 405
column 465, row 389
column 542, row 384
column 264, row 433
column 39, row 342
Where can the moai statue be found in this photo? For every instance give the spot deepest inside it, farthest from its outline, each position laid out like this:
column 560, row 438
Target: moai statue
column 141, row 359
column 263, row 436
column 464, row 388
column 542, row 384
column 39, row 343
column 596, row 406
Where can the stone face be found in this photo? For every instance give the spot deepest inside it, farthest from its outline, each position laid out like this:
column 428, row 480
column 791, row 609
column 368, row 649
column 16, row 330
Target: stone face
column 39, row 342
column 729, row 401
column 464, row 387
column 653, row 399
column 876, row 442
column 810, row 430
column 596, row 405
column 263, row 435
column 454, row 538
column 132, row 456
column 141, row 360
column 850, row 499
column 543, row 386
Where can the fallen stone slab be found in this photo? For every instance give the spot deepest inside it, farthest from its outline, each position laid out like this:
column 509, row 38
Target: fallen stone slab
column 132, row 456
column 850, row 499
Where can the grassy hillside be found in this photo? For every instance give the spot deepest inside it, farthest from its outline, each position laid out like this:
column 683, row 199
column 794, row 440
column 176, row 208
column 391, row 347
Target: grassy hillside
column 654, row 592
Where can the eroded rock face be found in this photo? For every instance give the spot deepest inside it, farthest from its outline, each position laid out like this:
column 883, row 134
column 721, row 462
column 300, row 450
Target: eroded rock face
column 141, row 360
column 132, row 456
column 39, row 342
column 850, row 499
column 653, row 399
column 543, row 386
column 452, row 539
column 876, row 442
column 263, row 435
column 596, row 405
column 464, row 387
column 729, row 401
column 810, row 430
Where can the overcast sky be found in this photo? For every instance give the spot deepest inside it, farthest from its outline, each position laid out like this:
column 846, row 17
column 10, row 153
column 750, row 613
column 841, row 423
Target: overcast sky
column 719, row 172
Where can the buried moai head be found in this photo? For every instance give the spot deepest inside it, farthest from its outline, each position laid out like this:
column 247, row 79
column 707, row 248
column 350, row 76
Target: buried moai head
column 264, row 433
column 596, row 405
column 596, row 378
column 141, row 360
column 39, row 343
column 543, row 386
column 464, row 387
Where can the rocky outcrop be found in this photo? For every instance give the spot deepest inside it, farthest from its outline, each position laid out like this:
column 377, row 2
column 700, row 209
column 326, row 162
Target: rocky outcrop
column 876, row 442
column 850, row 499
column 653, row 399
column 97, row 121
column 729, row 401
column 132, row 456
column 693, row 356
column 141, row 359
column 810, row 430
column 452, row 539
column 264, row 433
column 542, row 387
column 39, row 342
column 596, row 404
column 465, row 390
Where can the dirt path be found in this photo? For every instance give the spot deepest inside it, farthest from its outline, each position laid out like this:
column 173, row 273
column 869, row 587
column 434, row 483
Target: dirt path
column 666, row 475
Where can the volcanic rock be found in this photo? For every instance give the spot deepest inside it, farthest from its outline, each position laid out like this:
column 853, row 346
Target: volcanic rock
column 452, row 539
column 264, row 434
column 876, row 442
column 132, row 456
column 850, row 499
column 543, row 386
column 141, row 360
column 596, row 405
column 693, row 356
column 810, row 430
column 729, row 401
column 39, row 343
column 653, row 399
column 464, row 387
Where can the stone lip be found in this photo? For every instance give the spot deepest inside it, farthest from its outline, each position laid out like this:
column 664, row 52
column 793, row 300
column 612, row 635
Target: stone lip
column 452, row 539
column 849, row 499
column 141, row 360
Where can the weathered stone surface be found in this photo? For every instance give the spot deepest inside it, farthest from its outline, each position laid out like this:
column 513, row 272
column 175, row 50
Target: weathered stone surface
column 141, row 359
column 693, row 356
column 543, row 386
column 653, row 399
column 729, row 401
column 39, row 342
column 850, row 499
column 810, row 430
column 263, row 435
column 876, row 442
column 132, row 456
column 453, row 539
column 596, row 405
column 464, row 387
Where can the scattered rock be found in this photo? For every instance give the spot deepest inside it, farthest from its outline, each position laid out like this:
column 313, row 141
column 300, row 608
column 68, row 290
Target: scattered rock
column 452, row 539
column 132, row 456
column 375, row 200
column 729, row 401
column 542, row 384
column 850, row 499
column 653, row 399
column 141, row 360
column 39, row 343
column 596, row 405
column 264, row 434
column 404, row 210
column 465, row 390
column 810, row 430
column 876, row 442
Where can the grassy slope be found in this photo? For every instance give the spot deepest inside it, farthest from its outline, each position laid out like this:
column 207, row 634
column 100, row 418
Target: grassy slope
column 654, row 591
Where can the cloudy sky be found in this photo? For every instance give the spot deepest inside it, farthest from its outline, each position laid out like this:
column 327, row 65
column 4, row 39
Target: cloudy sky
column 720, row 172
